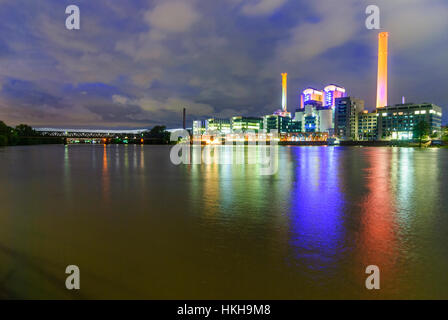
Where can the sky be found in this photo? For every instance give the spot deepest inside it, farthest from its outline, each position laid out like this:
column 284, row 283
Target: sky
column 137, row 63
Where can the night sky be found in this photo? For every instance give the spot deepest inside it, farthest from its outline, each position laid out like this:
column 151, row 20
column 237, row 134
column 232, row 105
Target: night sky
column 136, row 63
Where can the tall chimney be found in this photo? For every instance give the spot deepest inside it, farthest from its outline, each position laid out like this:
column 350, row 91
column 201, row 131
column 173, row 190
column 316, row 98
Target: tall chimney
column 184, row 120
column 284, row 91
column 381, row 95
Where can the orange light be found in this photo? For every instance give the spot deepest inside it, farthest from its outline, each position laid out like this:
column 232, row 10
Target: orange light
column 284, row 91
column 381, row 96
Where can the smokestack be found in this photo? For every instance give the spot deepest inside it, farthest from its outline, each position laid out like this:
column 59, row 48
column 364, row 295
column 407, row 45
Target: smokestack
column 381, row 96
column 284, row 91
column 184, row 126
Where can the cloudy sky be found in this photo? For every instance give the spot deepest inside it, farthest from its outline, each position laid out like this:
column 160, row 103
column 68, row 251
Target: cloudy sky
column 136, row 63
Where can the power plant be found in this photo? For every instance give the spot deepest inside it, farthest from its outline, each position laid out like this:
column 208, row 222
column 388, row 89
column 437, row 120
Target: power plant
column 332, row 113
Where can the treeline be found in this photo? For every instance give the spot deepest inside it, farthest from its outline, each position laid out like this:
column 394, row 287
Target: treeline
column 23, row 135
column 26, row 135
column 157, row 135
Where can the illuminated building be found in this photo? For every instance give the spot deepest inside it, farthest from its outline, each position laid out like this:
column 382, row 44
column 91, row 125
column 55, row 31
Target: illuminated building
column 331, row 93
column 199, row 127
column 325, row 120
column 312, row 96
column 381, row 97
column 247, row 124
column 346, row 118
column 314, row 119
column 220, row 125
column 277, row 123
column 397, row 122
column 367, row 125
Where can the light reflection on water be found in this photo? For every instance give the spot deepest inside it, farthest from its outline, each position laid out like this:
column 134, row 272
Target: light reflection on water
column 140, row 227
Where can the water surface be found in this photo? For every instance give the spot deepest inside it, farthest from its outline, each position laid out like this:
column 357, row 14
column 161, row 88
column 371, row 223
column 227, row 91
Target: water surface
column 141, row 227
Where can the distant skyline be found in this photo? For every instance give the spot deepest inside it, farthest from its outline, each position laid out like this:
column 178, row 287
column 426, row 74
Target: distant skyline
column 137, row 63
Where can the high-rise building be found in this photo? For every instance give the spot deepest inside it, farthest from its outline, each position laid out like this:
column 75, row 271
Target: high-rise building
column 381, row 96
column 331, row 93
column 367, row 125
column 347, row 112
column 398, row 121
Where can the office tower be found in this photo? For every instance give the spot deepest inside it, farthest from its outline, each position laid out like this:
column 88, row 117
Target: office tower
column 367, row 125
column 347, row 112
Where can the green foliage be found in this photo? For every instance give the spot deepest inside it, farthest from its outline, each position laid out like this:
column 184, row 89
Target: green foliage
column 3, row 141
column 421, row 130
column 24, row 130
column 158, row 134
column 22, row 135
column 4, row 129
column 445, row 134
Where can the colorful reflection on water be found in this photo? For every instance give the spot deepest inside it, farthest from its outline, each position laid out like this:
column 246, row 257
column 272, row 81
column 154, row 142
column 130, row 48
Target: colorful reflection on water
column 141, row 227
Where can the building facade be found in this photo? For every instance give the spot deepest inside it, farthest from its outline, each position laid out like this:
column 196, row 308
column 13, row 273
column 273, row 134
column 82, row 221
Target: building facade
column 220, row 125
column 244, row 124
column 397, row 122
column 276, row 123
column 199, row 127
column 346, row 119
column 367, row 125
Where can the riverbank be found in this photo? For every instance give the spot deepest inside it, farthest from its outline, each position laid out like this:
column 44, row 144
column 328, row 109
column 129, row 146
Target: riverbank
column 26, row 141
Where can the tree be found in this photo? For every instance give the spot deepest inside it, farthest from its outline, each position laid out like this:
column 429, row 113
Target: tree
column 445, row 134
column 3, row 141
column 24, row 130
column 158, row 133
column 4, row 129
column 421, row 130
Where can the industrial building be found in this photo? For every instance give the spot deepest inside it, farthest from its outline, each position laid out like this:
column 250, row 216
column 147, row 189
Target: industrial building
column 220, row 125
column 397, row 122
column 244, row 124
column 276, row 123
column 331, row 112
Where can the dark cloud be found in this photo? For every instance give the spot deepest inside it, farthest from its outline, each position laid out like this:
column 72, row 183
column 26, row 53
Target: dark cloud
column 138, row 63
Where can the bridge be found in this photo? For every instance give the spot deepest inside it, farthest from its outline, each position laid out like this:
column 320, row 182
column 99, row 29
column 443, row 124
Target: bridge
column 89, row 133
column 99, row 136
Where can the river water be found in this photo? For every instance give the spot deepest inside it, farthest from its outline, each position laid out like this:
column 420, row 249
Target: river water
column 141, row 227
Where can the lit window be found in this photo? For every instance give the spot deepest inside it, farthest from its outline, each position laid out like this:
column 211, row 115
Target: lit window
column 385, row 114
column 417, row 112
